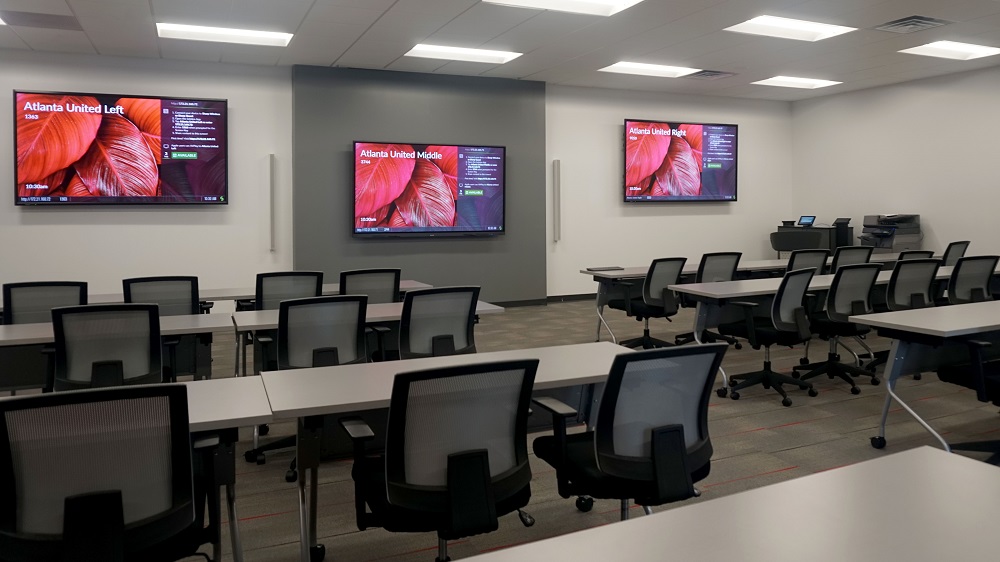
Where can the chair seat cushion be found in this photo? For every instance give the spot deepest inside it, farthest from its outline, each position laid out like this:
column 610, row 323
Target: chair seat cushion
column 764, row 329
column 822, row 325
column 586, row 478
column 639, row 308
column 962, row 375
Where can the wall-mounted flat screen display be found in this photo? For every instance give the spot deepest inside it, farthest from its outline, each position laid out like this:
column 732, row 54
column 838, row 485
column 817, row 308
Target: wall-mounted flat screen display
column 676, row 161
column 428, row 189
column 111, row 149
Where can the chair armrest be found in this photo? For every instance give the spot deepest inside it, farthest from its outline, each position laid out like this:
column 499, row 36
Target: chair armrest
column 264, row 339
column 205, row 306
column 802, row 323
column 748, row 308
column 206, row 442
column 554, row 406
column 357, row 429
column 976, row 348
column 378, row 329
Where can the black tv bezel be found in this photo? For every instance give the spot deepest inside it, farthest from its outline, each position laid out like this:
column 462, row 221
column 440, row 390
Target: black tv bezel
column 736, row 186
column 424, row 234
column 137, row 202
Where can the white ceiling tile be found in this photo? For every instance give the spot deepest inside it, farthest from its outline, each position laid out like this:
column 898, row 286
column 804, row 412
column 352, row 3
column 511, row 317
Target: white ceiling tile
column 251, row 54
column 57, row 7
column 190, row 50
column 416, row 64
column 56, row 40
column 487, row 21
column 10, row 40
column 338, row 13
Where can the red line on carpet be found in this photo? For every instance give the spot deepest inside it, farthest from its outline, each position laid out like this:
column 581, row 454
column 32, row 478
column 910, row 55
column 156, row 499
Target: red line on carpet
column 787, row 468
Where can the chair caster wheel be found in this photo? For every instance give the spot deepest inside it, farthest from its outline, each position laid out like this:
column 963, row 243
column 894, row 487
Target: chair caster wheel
column 803, row 360
column 317, row 553
column 526, row 519
column 813, row 392
column 855, row 390
column 291, row 476
column 875, row 381
column 796, row 375
column 786, row 402
column 263, row 429
column 878, row 442
column 722, row 392
column 250, row 456
column 261, row 459
column 733, row 382
column 917, row 377
column 738, row 345
column 734, row 395
column 584, row 503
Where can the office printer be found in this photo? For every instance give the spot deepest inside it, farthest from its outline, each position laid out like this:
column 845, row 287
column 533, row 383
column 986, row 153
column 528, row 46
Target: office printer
column 892, row 233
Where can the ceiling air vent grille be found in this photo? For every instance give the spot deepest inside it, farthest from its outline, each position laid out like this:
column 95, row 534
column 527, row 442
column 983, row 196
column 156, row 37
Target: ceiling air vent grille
column 710, row 75
column 911, row 24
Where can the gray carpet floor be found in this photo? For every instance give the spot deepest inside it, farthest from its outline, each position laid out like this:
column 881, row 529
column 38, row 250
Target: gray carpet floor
column 757, row 442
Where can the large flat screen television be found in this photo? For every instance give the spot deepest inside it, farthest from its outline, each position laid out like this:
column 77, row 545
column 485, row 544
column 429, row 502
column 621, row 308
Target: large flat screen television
column 112, row 149
column 428, row 189
column 675, row 161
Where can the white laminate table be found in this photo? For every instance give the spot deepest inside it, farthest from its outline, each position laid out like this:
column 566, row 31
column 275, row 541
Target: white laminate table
column 243, row 293
column 306, row 394
column 41, row 333
column 921, row 505
column 921, row 341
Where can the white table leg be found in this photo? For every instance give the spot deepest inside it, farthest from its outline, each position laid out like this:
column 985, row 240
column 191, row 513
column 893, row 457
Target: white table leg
column 602, row 299
column 894, row 370
column 702, row 311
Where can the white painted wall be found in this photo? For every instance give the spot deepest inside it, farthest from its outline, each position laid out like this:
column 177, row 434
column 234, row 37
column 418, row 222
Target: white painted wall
column 225, row 246
column 584, row 128
column 928, row 147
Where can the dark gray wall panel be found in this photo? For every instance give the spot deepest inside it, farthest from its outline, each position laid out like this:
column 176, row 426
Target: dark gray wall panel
column 333, row 107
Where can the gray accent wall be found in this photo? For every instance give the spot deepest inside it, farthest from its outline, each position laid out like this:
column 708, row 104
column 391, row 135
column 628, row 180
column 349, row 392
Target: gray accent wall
column 333, row 107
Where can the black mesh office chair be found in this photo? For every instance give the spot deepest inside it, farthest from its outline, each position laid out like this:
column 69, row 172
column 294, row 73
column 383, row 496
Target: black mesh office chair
column 651, row 442
column 438, row 321
column 656, row 301
column 30, row 366
column 316, row 332
column 381, row 286
column 176, row 296
column 849, row 255
column 456, row 453
column 713, row 268
column 271, row 289
column 970, row 280
column 849, row 295
column 808, row 259
column 911, row 285
column 788, row 324
column 102, row 345
column 915, row 255
column 954, row 252
column 102, row 475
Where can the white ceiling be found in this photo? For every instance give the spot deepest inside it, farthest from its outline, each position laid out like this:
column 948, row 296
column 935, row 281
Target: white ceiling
column 559, row 48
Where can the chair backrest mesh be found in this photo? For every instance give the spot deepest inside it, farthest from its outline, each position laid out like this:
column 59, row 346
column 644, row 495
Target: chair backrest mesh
column 175, row 296
column 380, row 285
column 438, row 314
column 911, row 277
column 790, row 296
column 72, row 449
column 915, row 254
column 652, row 389
column 971, row 273
column 954, row 252
column 33, row 302
column 852, row 283
column 453, row 414
column 662, row 273
column 717, row 267
column 272, row 289
column 320, row 323
column 850, row 255
column 103, row 335
column 808, row 259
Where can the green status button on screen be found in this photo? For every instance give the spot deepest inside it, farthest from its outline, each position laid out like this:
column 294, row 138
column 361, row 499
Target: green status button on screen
column 713, row 165
column 184, row 155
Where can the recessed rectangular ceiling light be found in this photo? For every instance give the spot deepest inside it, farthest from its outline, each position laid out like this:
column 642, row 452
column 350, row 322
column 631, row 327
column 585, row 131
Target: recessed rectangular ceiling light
column 643, row 69
column 793, row 82
column 461, row 53
column 223, row 34
column 953, row 50
column 589, row 7
column 787, row 28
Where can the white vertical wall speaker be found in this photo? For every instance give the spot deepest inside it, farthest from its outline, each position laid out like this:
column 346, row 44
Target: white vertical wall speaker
column 556, row 202
column 272, row 163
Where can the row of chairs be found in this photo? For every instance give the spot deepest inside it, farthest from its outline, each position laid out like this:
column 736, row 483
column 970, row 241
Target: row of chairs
column 438, row 473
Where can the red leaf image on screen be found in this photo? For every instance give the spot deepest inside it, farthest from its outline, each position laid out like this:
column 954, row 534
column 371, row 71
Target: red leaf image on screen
column 53, row 183
column 679, row 174
column 119, row 162
column 144, row 113
column 693, row 138
column 49, row 141
column 448, row 165
column 379, row 216
column 427, row 199
column 77, row 188
column 644, row 153
column 378, row 180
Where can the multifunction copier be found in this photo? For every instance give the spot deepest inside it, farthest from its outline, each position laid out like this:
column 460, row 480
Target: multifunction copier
column 891, row 233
